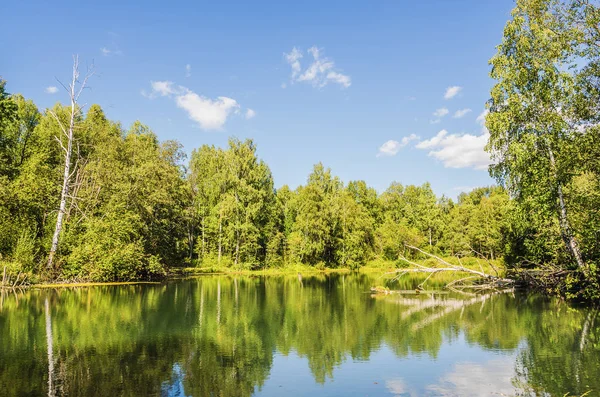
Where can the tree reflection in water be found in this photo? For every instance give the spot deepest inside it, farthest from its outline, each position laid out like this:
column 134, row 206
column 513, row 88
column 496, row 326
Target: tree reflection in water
column 222, row 335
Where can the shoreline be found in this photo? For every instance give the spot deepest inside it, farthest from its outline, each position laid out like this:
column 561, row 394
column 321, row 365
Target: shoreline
column 189, row 273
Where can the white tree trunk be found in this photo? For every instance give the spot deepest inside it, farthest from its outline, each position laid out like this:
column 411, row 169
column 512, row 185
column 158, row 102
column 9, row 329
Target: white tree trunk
column 220, row 235
column 237, row 231
column 74, row 94
column 63, row 196
column 565, row 227
column 203, row 239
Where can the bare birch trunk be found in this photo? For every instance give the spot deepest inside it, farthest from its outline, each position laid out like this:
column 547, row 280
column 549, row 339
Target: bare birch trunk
column 237, row 249
column 237, row 231
column 203, row 239
column 191, row 240
column 66, row 179
column 74, row 94
column 565, row 227
column 220, row 235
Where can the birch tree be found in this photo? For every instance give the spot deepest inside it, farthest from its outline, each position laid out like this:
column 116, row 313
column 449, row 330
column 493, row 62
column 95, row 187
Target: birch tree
column 66, row 142
column 530, row 122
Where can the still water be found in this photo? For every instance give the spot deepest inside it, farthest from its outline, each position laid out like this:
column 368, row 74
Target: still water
column 278, row 336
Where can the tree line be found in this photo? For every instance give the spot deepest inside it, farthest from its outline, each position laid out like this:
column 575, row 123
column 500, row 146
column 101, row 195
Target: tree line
column 134, row 206
column 137, row 206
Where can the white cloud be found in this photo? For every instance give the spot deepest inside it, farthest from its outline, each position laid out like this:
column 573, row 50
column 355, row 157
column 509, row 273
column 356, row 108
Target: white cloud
column 441, row 112
column 429, row 143
column 293, row 58
column 108, row 52
column 250, row 114
column 339, row 78
column 398, row 388
column 188, row 70
column 163, row 88
column 51, row 90
column 481, row 118
column 283, row 85
column 465, row 379
column 391, row 147
column 451, row 92
column 405, row 140
column 319, row 73
column 210, row 114
column 461, row 113
column 458, row 151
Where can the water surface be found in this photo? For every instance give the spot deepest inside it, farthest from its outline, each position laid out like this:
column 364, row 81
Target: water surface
column 311, row 336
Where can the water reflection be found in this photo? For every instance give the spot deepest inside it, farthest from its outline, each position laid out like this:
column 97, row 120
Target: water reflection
column 174, row 387
column 49, row 343
column 311, row 335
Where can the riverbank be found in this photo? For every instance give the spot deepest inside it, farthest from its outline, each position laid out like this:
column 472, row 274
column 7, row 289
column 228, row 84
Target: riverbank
column 192, row 272
column 179, row 272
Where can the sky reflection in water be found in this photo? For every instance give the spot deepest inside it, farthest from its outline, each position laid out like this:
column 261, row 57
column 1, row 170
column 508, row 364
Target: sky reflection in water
column 273, row 336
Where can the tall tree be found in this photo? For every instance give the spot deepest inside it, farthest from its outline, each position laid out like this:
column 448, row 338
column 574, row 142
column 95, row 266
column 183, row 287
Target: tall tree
column 75, row 89
column 531, row 121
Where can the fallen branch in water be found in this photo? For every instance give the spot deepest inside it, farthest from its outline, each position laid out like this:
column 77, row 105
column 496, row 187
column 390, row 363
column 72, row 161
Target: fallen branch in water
column 482, row 280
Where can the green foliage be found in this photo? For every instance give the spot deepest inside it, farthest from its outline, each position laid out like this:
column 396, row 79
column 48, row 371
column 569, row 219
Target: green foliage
column 232, row 206
column 25, row 251
column 109, row 251
column 136, row 207
column 134, row 210
column 543, row 125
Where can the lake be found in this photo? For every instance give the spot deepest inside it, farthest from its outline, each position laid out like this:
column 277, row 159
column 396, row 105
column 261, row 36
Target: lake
column 316, row 335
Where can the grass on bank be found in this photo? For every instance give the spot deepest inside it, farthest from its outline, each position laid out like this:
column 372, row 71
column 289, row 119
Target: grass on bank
column 28, row 278
column 376, row 265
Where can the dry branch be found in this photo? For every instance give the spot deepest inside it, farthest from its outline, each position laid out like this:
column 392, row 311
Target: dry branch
column 484, row 280
column 9, row 284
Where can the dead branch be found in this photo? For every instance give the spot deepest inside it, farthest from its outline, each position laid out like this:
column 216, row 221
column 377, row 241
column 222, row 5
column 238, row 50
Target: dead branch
column 16, row 280
column 487, row 260
column 486, row 281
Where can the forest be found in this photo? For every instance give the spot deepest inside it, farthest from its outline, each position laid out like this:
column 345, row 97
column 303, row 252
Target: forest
column 84, row 198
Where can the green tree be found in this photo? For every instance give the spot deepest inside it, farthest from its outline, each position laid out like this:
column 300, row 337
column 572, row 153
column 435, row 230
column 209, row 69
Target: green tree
column 531, row 121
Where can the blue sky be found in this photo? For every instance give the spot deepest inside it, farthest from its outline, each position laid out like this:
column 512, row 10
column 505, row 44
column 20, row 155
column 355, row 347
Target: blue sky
column 362, row 98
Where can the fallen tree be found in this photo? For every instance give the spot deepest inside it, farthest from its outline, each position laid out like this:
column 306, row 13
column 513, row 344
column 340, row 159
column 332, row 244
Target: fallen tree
column 475, row 279
column 572, row 284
